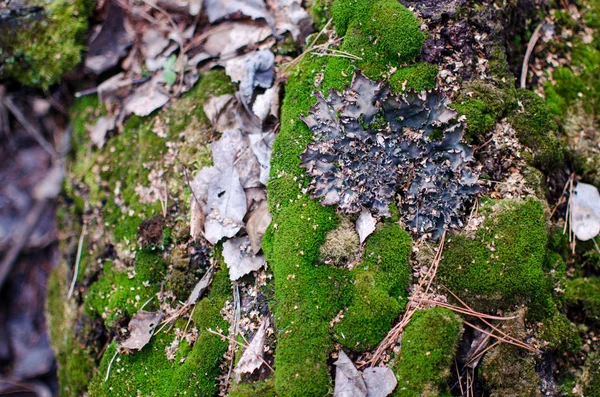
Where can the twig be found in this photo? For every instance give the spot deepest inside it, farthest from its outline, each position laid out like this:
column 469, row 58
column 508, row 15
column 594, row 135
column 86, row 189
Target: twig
column 110, row 365
column 530, row 46
column 77, row 261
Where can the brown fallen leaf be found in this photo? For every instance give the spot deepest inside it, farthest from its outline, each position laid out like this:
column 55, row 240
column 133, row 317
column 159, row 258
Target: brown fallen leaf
column 256, row 226
column 252, row 359
column 141, row 327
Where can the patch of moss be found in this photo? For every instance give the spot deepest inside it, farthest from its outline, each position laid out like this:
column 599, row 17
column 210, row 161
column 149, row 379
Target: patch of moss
column 561, row 334
column 509, row 370
column 503, row 264
column 262, row 388
column 381, row 283
column 41, row 50
column 428, row 346
column 193, row 372
column 307, row 297
column 483, row 104
column 116, row 294
column 583, row 294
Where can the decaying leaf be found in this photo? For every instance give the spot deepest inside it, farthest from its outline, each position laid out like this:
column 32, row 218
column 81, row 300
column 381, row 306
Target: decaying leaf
column 365, row 225
column 256, row 226
column 146, row 99
column 141, row 327
column 348, row 380
column 221, row 9
column 380, row 381
column 240, row 260
column 219, row 110
column 585, row 211
column 111, row 43
column 252, row 359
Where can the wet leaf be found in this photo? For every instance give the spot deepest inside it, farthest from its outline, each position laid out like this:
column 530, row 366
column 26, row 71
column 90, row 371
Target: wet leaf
column 252, row 359
column 239, row 258
column 585, row 211
column 141, row 327
column 365, row 225
column 348, row 381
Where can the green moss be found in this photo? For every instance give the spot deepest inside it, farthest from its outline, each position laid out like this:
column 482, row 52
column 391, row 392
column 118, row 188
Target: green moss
column 583, row 295
column 509, row 370
column 41, row 51
column 382, row 280
column 503, row 264
column 561, row 334
column 536, row 128
column 262, row 388
column 193, row 372
column 428, row 347
column 116, row 294
column 307, row 297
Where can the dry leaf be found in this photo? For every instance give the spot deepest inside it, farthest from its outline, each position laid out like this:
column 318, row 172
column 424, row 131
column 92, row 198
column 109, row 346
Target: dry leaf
column 380, row 381
column 365, row 225
column 348, row 381
column 252, row 359
column 141, row 327
column 256, row 226
column 239, row 258
column 585, row 211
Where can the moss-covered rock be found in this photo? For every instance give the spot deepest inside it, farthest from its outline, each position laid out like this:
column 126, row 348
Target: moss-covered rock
column 42, row 48
column 381, row 283
column 428, row 346
column 502, row 265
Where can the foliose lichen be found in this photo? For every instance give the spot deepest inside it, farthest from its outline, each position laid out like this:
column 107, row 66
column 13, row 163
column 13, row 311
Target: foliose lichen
column 370, row 145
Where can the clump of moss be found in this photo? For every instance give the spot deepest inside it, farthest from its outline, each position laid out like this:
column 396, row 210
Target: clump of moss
column 41, row 50
column 307, row 296
column 561, row 334
column 149, row 372
column 118, row 293
column 341, row 244
column 583, row 294
column 381, row 282
column 429, row 344
column 503, row 264
column 509, row 370
column 536, row 128
column 483, row 104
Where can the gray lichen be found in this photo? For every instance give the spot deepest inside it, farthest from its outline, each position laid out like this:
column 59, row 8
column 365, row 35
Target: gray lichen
column 370, row 145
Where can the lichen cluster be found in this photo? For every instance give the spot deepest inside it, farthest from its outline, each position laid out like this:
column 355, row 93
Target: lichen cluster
column 370, row 144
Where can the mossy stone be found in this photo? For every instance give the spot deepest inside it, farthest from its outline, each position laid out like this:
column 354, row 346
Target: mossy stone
column 428, row 346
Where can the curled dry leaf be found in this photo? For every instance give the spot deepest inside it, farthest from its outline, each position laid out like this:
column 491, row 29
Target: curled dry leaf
column 141, row 327
column 252, row 359
column 240, row 260
column 365, row 225
column 348, row 381
column 256, row 226
column 585, row 211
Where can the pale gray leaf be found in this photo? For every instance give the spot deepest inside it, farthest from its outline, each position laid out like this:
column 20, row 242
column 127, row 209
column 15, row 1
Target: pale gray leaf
column 252, row 359
column 141, row 327
column 240, row 260
column 380, row 381
column 585, row 211
column 226, row 206
column 365, row 225
column 348, row 381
